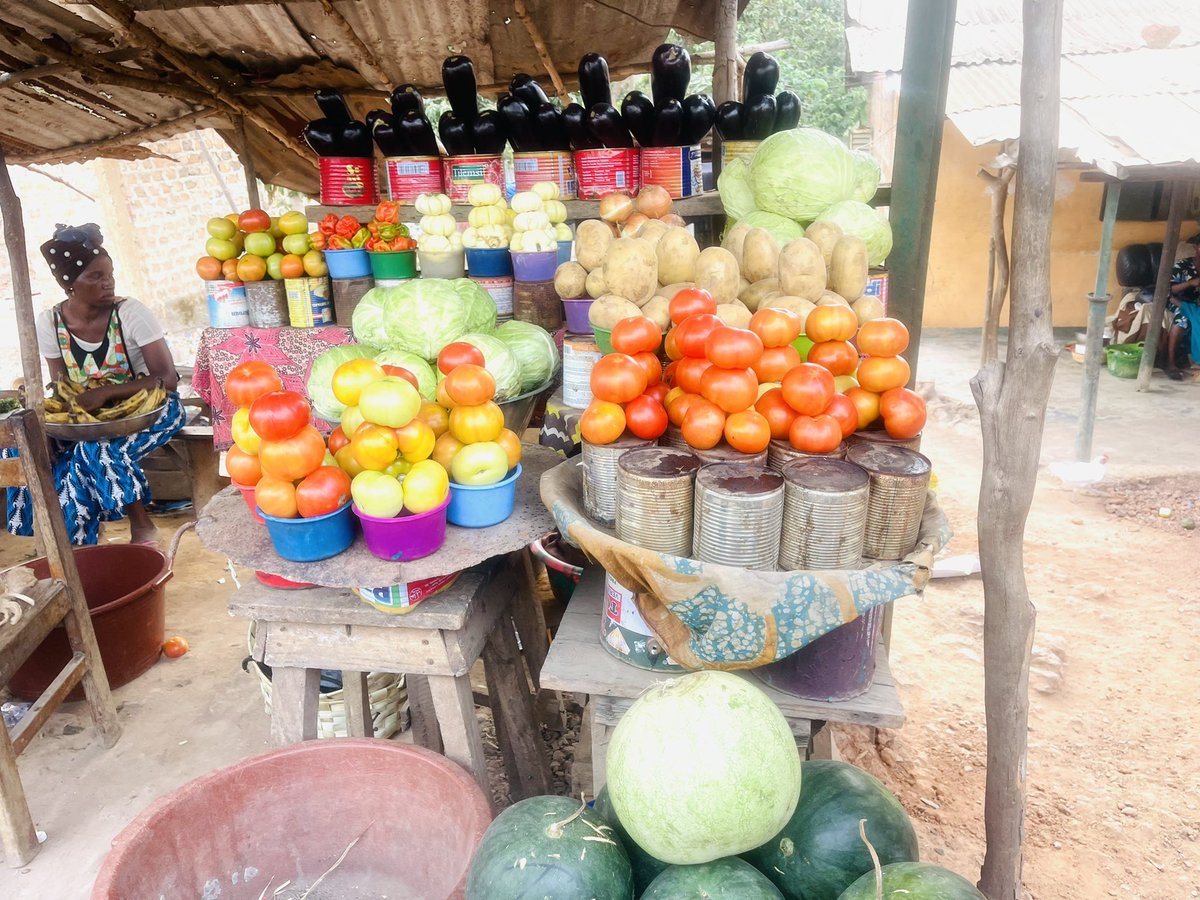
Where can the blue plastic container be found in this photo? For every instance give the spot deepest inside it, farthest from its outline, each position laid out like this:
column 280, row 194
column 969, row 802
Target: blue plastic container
column 489, row 263
column 348, row 263
column 478, row 506
column 564, row 251
column 535, row 265
column 308, row 540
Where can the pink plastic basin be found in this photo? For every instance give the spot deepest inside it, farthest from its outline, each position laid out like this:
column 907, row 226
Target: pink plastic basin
column 407, row 537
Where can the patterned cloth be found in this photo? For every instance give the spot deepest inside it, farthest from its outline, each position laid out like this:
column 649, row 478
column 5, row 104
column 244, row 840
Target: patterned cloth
column 83, row 366
column 290, row 350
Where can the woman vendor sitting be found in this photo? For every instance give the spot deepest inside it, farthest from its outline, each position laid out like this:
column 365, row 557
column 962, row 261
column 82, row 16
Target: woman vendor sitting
column 116, row 347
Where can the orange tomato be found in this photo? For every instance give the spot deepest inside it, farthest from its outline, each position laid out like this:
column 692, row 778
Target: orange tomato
column 672, row 394
column 415, row 441
column 337, row 440
column 688, row 373
column 843, row 409
column 512, row 446
column 291, row 266
column 776, row 362
column 473, row 424
column 445, row 448
column 748, row 431
column 637, row 334
column 671, row 347
column 691, row 335
column 618, row 378
column 839, row 357
column 244, row 435
column 435, row 417
column 229, row 270
column 352, row 376
column 731, row 389
column 776, row 327
column 175, row 647
column 456, row 354
column 831, row 323
column 883, row 337
column 645, row 417
column 401, row 372
column 903, row 413
column 276, row 497
column 691, row 302
column 251, row 268
column 882, row 373
column 208, row 268
column 808, row 388
column 651, row 366
column 677, row 408
column 324, row 491
column 443, row 399
column 733, row 348
column 776, row 411
column 815, row 434
column 346, row 461
column 703, row 425
column 374, row 446
column 867, row 405
column 668, row 375
column 243, row 467
column 602, row 422
column 470, row 385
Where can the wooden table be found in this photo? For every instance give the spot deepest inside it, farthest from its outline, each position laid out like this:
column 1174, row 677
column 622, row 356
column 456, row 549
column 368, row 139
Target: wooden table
column 578, row 662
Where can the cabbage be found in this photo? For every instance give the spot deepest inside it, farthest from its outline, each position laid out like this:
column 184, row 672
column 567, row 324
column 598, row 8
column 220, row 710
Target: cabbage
column 737, row 196
column 862, row 221
column 782, row 228
column 802, row 172
column 868, row 176
column 320, row 378
column 426, row 380
column 481, row 308
column 500, row 361
column 535, row 350
column 422, row 316
column 367, row 322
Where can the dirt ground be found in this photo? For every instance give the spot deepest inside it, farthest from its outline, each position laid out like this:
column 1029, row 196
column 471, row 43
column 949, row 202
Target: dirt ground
column 1114, row 805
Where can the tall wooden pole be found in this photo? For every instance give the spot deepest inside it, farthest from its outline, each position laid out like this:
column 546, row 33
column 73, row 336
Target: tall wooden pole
column 243, row 152
column 725, row 67
column 1012, row 397
column 1162, row 285
column 14, row 240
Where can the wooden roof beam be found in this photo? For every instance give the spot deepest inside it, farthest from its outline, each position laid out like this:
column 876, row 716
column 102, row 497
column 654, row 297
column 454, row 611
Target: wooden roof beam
column 539, row 45
column 367, row 63
column 153, row 132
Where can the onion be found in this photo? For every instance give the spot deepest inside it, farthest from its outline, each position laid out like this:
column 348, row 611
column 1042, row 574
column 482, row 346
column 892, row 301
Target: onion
column 672, row 219
column 653, row 201
column 633, row 225
column 615, row 207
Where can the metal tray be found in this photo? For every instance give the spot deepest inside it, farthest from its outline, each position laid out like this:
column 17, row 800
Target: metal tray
column 103, row 431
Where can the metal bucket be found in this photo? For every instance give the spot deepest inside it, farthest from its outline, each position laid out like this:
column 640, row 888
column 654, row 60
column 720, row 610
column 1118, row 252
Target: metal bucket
column 738, row 515
column 268, row 304
column 836, row 666
column 899, row 483
column 723, row 453
column 500, row 289
column 780, row 453
column 625, row 634
column 824, row 514
column 600, row 476
column 655, row 493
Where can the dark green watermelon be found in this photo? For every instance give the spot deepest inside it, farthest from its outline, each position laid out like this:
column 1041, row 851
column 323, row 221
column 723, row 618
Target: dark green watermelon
column 722, row 879
column 645, row 867
column 531, row 851
column 819, row 853
column 914, row 881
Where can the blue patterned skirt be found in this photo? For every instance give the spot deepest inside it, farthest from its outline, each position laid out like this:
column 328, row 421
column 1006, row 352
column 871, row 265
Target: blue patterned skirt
column 96, row 480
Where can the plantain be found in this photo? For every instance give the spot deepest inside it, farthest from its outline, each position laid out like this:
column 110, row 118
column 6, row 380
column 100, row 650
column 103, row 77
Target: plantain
column 58, row 418
column 154, row 399
column 127, row 407
column 54, row 405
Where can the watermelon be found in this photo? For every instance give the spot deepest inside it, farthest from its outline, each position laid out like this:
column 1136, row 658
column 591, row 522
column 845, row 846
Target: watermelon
column 545, row 847
column 645, row 866
column 914, row 881
column 819, row 853
column 723, row 879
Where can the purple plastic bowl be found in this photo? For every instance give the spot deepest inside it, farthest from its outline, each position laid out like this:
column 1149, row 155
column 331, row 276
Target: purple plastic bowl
column 406, row 538
column 577, row 314
column 535, row 265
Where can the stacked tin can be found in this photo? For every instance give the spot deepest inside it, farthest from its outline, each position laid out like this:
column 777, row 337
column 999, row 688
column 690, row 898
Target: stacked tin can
column 781, row 452
column 737, row 515
column 824, row 514
column 600, row 476
column 580, row 353
column 899, row 483
column 655, row 493
column 882, row 437
column 723, row 453
column 673, row 437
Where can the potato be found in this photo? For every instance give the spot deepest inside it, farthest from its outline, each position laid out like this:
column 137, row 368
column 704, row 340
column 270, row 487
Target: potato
column 592, row 240
column 658, row 309
column 754, row 295
column 631, row 269
column 829, row 298
column 670, row 290
column 868, row 307
column 802, row 269
column 570, row 280
column 610, row 309
column 735, row 315
column 848, row 270
column 760, row 255
column 799, row 305
column 825, row 235
column 653, row 231
column 595, row 285
column 677, row 254
column 734, row 239
column 717, row 273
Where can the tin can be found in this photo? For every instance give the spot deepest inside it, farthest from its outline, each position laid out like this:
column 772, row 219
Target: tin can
column 673, row 437
column 348, row 181
column 460, row 173
column 537, row 302
column 346, row 294
column 737, row 516
column 310, row 302
column 410, row 176
column 557, row 166
column 500, row 289
column 723, row 453
column 268, row 303
column 824, row 514
column 655, row 493
column 625, row 634
column 580, row 354
column 781, row 452
column 882, row 437
column 227, row 304
column 600, row 476
column 899, row 483
column 603, row 171
column 731, row 150
column 678, row 169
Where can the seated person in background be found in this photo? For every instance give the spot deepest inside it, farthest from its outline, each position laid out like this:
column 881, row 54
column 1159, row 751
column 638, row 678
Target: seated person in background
column 1183, row 306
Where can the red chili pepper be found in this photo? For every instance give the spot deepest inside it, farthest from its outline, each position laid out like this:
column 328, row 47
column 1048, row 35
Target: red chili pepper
column 387, row 211
column 328, row 225
column 346, row 226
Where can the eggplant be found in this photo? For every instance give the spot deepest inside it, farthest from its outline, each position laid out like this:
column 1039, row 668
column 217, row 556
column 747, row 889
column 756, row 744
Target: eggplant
column 760, row 118
column 668, row 124
column 455, row 135
column 575, row 121
column 730, row 121
column 518, row 124
column 606, row 125
column 487, row 133
column 416, row 131
column 526, row 89
column 458, row 77
column 787, row 111
column 387, row 138
column 407, row 98
column 761, row 77
column 670, row 72
column 333, row 105
column 594, row 85
column 638, row 112
column 323, row 136
column 699, row 111
column 551, row 130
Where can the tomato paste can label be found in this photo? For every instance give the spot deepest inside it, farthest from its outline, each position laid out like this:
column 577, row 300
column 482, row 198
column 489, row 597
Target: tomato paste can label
column 310, row 302
column 580, row 353
column 877, row 286
column 400, row 598
column 228, row 306
column 602, row 171
column 460, row 173
column 348, row 181
column 731, row 150
column 678, row 169
column 557, row 166
column 625, row 634
column 500, row 289
column 410, row 176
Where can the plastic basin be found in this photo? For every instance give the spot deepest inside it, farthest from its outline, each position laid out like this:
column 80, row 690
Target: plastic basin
column 576, row 312
column 448, row 264
column 405, row 537
column 484, row 262
column 480, row 506
column 563, row 574
column 247, row 492
column 802, row 345
column 394, row 264
column 518, row 412
column 308, row 540
column 288, row 815
column 604, row 339
column 348, row 263
column 538, row 265
column 1124, row 360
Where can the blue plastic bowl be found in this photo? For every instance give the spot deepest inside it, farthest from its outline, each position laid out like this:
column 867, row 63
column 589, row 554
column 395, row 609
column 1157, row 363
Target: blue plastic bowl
column 478, row 506
column 535, row 265
column 308, row 540
column 489, row 263
column 347, row 263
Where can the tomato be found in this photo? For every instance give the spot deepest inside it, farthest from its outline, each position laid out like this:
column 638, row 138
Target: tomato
column 174, row 647
column 469, row 385
column 883, row 337
column 291, row 266
column 731, row 389
column 243, row 467
column 650, row 365
column 808, row 389
column 445, row 448
column 324, row 491
column 775, row 410
column 254, row 220
column 703, row 425
column 645, row 417
column 473, row 424
column 677, row 407
column 229, row 269
column 401, row 372
column 243, row 435
column 374, row 446
column 208, row 268
column 352, row 376
column 346, row 461
column 903, row 413
column 250, row 380
column 659, row 392
column 415, row 441
column 691, row 302
column 688, row 373
column 815, row 434
column 637, row 334
column 882, row 373
column 668, row 375
column 748, row 431
column 337, row 440
column 670, row 346
column 843, row 409
column 866, row 403
column 776, row 327
column 831, row 323
column 672, row 394
column 776, row 362
column 733, row 348
column 618, row 378
column 839, row 357
column 443, row 399
column 276, row 497
column 295, row 457
column 279, row 415
column 458, row 353
column 435, row 417
column 512, row 446
column 602, row 422
column 692, row 334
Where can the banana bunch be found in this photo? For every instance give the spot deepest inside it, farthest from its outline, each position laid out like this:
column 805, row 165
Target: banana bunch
column 62, row 406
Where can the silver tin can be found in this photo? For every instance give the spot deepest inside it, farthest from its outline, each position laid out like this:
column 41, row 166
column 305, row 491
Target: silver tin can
column 824, row 514
column 899, row 483
column 600, row 476
column 580, row 353
column 655, row 488
column 781, row 452
column 673, row 437
column 882, row 437
column 723, row 453
column 737, row 515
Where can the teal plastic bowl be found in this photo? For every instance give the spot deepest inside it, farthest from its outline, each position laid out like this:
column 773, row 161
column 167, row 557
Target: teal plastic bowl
column 308, row 540
column 480, row 506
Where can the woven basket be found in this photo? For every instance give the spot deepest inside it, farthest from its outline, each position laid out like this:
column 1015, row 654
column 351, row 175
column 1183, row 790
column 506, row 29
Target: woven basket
column 389, row 701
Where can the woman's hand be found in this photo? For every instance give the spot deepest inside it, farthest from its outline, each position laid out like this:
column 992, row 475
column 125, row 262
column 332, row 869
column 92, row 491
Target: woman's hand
column 92, row 400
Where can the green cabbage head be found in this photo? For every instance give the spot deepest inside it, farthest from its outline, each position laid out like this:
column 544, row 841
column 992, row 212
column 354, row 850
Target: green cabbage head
column 802, row 172
column 422, row 316
column 868, row 176
column 480, row 307
column 733, row 184
column 864, row 222
column 500, row 361
column 782, row 228
column 320, row 378
column 535, row 350
column 367, row 322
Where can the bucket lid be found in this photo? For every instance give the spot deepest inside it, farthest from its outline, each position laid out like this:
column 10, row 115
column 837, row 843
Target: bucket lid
column 659, row 462
column 738, row 478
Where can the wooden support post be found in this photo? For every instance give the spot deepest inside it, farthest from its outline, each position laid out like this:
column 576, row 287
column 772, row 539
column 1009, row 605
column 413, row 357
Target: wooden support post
column 998, row 263
column 1097, row 307
column 1162, row 285
column 543, row 52
column 14, row 240
column 725, row 67
column 247, row 161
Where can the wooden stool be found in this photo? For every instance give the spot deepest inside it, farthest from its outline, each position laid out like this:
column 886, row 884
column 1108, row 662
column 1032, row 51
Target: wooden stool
column 58, row 599
column 300, row 632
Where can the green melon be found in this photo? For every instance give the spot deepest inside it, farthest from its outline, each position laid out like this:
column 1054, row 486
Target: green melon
column 645, row 867
column 532, row 850
column 723, row 879
column 819, row 853
column 914, row 881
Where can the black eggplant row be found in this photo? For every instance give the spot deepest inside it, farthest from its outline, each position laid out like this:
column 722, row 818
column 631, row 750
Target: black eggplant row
column 758, row 119
column 337, row 133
